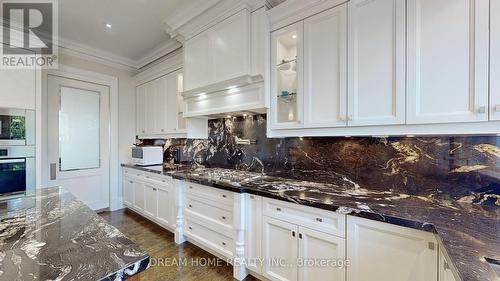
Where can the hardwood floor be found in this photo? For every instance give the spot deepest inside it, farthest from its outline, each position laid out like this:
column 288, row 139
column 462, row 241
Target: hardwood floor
column 169, row 260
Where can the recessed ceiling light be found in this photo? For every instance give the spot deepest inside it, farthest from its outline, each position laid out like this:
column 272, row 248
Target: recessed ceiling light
column 294, row 36
column 108, row 25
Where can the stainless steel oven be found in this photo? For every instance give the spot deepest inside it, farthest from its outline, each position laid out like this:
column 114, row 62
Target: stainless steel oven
column 17, row 169
column 17, row 127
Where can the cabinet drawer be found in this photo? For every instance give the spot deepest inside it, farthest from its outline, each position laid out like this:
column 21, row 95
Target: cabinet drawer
column 313, row 218
column 133, row 173
column 158, row 179
column 220, row 243
column 209, row 210
column 218, row 195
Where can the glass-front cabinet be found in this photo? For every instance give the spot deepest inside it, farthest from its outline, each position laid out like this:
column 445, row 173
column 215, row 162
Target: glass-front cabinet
column 286, row 72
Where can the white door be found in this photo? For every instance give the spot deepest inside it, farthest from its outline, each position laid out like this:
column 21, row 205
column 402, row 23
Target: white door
column 128, row 191
column 253, row 232
column 139, row 189
column 448, row 46
column 279, row 249
column 376, row 80
column 165, row 206
column 381, row 251
column 171, row 104
column 495, row 60
column 445, row 273
column 287, row 77
column 325, row 67
column 78, row 139
column 150, row 200
column 319, row 246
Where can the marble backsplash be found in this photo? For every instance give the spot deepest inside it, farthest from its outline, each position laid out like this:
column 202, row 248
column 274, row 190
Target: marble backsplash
column 464, row 168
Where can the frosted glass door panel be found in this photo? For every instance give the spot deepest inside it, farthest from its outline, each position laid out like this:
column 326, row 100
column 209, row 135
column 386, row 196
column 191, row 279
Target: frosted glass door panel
column 79, row 123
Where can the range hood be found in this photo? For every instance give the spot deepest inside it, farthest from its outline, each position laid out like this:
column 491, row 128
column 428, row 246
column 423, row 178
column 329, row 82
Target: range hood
column 235, row 97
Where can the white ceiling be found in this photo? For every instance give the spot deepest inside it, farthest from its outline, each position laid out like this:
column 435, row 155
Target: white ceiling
column 137, row 27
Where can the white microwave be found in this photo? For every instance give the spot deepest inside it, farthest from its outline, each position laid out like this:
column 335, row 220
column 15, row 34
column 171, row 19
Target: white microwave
column 147, row 155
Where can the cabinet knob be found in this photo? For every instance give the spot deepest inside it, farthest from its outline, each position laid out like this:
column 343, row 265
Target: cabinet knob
column 223, row 217
column 190, row 206
column 190, row 228
column 481, row 110
column 154, row 189
column 278, row 209
column 163, row 130
column 191, row 187
column 131, row 182
column 224, row 195
column 142, row 131
column 223, row 243
column 319, row 219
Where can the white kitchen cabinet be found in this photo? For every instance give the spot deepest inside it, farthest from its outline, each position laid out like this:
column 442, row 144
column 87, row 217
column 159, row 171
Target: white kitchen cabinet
column 197, row 61
column 495, row 60
column 139, row 195
column 165, row 206
column 218, row 54
column 253, row 232
column 128, row 191
column 141, row 109
column 18, row 88
column 445, row 272
column 150, row 200
column 382, row 251
column 325, row 67
column 279, row 248
column 319, row 246
column 376, row 62
column 287, row 77
column 448, row 50
column 231, row 47
column 159, row 110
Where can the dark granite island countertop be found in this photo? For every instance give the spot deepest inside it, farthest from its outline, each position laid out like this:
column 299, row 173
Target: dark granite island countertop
column 50, row 235
column 468, row 232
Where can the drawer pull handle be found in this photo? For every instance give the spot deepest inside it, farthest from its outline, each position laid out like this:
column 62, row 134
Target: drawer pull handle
column 319, row 219
column 190, row 228
column 223, row 243
column 224, row 195
column 223, row 217
column 278, row 209
column 190, row 206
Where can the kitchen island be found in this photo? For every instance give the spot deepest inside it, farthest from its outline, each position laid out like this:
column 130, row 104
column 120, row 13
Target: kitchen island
column 50, row 235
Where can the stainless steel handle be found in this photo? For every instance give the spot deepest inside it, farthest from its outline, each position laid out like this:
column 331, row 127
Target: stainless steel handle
column 53, row 167
column 481, row 110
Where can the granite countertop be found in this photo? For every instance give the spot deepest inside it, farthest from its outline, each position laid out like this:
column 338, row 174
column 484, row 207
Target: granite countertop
column 50, row 235
column 469, row 232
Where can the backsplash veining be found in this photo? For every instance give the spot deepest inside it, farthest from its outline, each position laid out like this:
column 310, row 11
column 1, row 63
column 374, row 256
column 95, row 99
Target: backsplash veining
column 459, row 168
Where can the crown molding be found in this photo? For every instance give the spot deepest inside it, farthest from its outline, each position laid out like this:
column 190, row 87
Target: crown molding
column 161, row 51
column 195, row 18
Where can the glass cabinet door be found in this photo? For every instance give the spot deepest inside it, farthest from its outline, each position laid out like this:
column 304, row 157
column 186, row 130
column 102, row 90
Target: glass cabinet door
column 287, row 77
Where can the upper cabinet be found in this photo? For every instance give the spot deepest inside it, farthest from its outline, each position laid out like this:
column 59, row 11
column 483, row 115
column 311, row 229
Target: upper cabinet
column 384, row 67
column 447, row 61
column 159, row 110
column 495, row 60
column 18, row 88
column 376, row 79
column 218, row 54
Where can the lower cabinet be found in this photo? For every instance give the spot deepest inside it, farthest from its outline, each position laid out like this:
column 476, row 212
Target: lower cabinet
column 151, row 196
column 382, row 251
column 294, row 252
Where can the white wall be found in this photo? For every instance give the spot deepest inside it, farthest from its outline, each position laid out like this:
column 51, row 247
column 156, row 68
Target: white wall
column 126, row 117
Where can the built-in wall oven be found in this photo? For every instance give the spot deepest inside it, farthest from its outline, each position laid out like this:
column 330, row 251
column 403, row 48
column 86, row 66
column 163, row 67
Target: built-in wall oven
column 17, row 151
